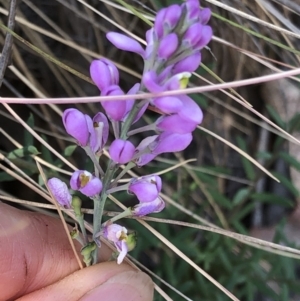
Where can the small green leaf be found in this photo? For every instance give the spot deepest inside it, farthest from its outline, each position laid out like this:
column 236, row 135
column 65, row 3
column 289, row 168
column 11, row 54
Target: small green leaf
column 23, row 152
column 69, row 150
column 290, row 160
column 248, row 166
column 240, row 196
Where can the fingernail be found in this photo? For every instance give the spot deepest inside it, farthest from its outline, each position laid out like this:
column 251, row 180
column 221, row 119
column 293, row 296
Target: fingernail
column 130, row 285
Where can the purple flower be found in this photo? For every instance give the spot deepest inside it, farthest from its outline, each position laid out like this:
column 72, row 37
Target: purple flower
column 184, row 121
column 60, row 192
column 146, row 188
column 125, row 43
column 166, row 19
column 166, row 142
column 121, row 151
column 118, row 235
column 104, row 73
column 145, row 208
column 99, row 130
column 76, row 125
column 86, row 183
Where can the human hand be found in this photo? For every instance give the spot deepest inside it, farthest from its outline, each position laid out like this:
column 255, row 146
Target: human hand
column 37, row 263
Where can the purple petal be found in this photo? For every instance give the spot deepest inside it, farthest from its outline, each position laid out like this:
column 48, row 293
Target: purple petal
column 151, row 207
column 115, row 109
column 168, row 46
column 144, row 159
column 121, row 151
column 92, row 188
column 159, row 22
column 175, row 124
column 168, row 104
column 99, row 132
column 60, row 192
column 150, row 82
column 76, row 125
column 104, row 73
column 190, row 111
column 193, row 9
column 206, row 37
column 205, row 15
column 172, row 15
column 125, row 43
column 86, row 183
column 188, row 64
column 193, row 35
column 171, row 142
column 146, row 189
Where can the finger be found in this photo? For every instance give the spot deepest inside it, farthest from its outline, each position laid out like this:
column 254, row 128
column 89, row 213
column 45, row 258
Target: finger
column 104, row 281
column 35, row 252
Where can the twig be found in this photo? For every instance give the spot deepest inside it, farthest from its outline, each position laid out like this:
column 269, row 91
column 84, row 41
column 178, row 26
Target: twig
column 7, row 48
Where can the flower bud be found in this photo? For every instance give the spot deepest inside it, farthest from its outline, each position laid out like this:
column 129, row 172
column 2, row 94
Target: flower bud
column 121, row 151
column 125, row 43
column 146, row 188
column 168, row 46
column 86, row 183
column 205, row 15
column 193, row 35
column 188, row 64
column 115, row 109
column 60, row 192
column 205, row 37
column 76, row 125
column 145, row 208
column 104, row 73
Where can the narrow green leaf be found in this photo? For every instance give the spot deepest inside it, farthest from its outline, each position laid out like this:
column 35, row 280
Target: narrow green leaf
column 69, row 150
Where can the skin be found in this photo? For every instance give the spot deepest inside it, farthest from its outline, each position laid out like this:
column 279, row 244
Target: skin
column 37, row 263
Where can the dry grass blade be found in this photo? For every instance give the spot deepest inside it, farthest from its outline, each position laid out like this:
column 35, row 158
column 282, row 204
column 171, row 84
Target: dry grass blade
column 239, row 151
column 60, row 215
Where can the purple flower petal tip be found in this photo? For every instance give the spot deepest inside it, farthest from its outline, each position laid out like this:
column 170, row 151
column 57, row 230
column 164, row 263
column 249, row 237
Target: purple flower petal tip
column 76, row 125
column 125, row 43
column 121, row 151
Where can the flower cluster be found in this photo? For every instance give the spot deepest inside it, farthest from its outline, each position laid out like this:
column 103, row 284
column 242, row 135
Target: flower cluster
column 172, row 53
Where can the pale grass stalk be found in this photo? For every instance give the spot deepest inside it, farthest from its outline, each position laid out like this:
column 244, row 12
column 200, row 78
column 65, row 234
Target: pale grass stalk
column 207, row 171
column 252, row 18
column 112, row 22
column 244, row 154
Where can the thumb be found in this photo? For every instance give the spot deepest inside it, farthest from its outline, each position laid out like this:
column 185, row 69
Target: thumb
column 104, row 281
